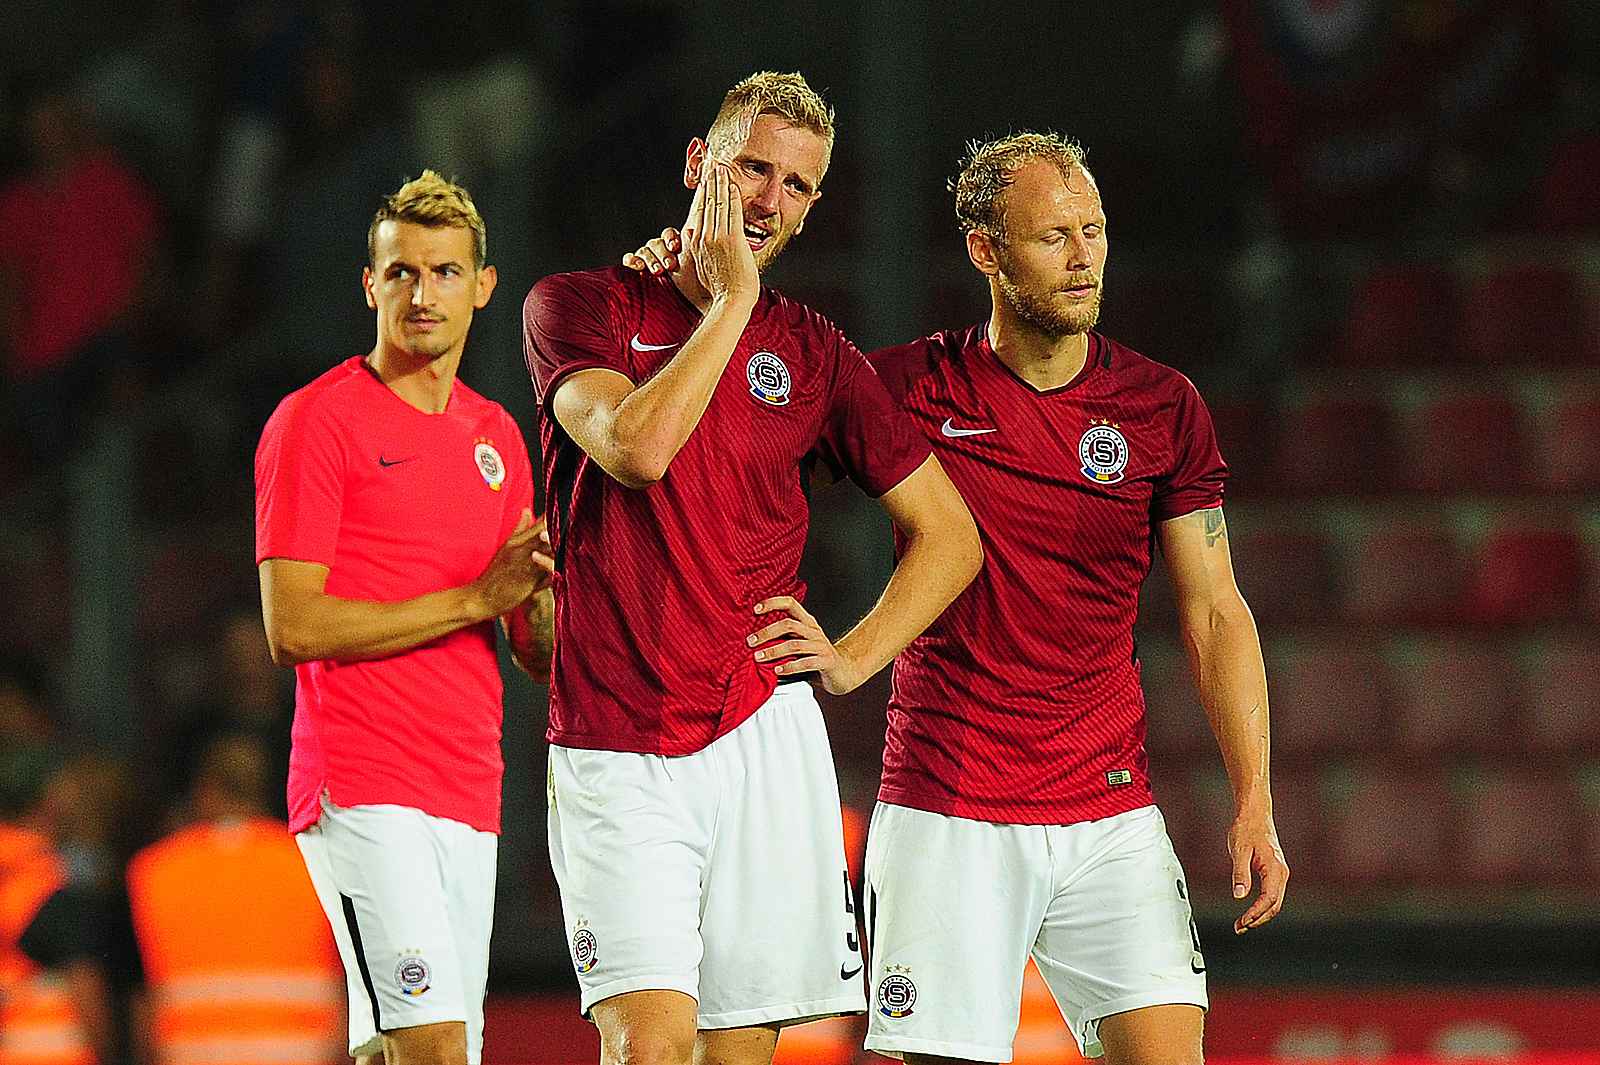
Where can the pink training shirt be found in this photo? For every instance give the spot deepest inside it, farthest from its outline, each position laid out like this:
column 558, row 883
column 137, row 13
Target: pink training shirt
column 396, row 503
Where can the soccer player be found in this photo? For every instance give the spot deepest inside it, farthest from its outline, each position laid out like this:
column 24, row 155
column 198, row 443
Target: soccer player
column 393, row 524
column 693, row 808
column 1015, row 815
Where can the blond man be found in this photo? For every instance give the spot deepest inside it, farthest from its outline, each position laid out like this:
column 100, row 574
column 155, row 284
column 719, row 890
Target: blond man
column 694, row 811
column 393, row 525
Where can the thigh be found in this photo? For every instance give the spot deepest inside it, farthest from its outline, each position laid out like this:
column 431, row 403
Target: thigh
column 736, row 1046
column 953, row 906
column 629, row 838
column 1154, row 1035
column 472, row 858
column 379, row 873
column 651, row 1026
column 1118, row 934
column 779, row 914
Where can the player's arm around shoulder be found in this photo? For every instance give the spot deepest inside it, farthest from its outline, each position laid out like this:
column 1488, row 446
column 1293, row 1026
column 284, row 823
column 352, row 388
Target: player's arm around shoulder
column 1224, row 650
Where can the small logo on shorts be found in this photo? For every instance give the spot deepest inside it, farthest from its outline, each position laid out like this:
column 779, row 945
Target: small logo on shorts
column 585, row 949
column 896, row 993
column 412, row 975
column 768, row 378
column 1118, row 777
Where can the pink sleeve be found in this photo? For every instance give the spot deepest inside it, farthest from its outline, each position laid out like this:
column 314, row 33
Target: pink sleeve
column 866, row 435
column 1198, row 472
column 300, row 467
column 567, row 326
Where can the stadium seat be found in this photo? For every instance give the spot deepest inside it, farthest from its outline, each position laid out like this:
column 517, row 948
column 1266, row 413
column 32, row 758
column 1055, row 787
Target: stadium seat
column 1525, row 315
column 1522, row 575
column 1329, row 696
column 1569, row 436
column 1390, row 827
column 1399, row 316
column 1246, row 435
column 1339, row 444
column 1518, row 827
column 1560, row 703
column 1567, row 201
column 1404, row 571
column 1285, row 575
column 1466, row 443
column 1457, row 697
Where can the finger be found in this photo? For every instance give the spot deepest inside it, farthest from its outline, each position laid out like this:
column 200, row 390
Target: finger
column 718, row 226
column 697, row 208
column 790, row 648
column 785, row 604
column 526, row 519
column 632, row 261
column 543, row 561
column 1241, row 870
column 521, row 538
column 658, row 251
column 671, row 238
column 809, row 664
column 786, row 627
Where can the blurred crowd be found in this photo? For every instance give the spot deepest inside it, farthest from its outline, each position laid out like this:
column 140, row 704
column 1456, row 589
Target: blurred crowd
column 183, row 193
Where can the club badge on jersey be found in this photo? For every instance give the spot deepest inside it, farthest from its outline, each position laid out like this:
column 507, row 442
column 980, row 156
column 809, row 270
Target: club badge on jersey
column 768, row 378
column 1103, row 450
column 489, row 463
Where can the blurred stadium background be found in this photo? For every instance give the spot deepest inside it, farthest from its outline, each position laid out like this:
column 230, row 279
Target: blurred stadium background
column 1367, row 229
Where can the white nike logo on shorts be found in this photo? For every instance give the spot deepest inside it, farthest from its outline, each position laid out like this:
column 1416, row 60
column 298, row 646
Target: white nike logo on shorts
column 639, row 345
column 949, row 429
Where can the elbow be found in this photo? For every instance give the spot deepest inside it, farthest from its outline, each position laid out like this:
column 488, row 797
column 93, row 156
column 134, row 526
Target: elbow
column 638, row 468
column 286, row 647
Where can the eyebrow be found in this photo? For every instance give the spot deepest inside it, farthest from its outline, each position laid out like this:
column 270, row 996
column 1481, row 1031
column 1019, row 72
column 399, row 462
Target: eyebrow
column 805, row 182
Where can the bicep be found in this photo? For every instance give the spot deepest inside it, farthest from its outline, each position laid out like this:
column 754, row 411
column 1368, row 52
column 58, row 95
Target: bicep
column 585, row 404
column 925, row 499
column 288, row 589
column 1195, row 547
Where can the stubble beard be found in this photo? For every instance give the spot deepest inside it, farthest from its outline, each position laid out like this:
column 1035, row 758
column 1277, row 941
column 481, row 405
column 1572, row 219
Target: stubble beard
column 1043, row 312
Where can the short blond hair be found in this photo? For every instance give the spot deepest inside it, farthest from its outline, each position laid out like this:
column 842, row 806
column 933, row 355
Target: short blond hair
column 990, row 167
column 431, row 201
column 768, row 92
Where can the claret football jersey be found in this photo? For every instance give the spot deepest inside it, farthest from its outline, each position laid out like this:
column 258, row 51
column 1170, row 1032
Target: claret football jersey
column 1021, row 703
column 656, row 587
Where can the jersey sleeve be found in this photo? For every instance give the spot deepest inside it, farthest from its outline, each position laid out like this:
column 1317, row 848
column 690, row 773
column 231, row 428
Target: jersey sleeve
column 300, row 469
column 567, row 326
column 1198, row 472
column 866, row 435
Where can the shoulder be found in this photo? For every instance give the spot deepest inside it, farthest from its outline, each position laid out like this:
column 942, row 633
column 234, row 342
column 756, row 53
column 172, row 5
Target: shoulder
column 902, row 366
column 320, row 401
column 558, row 293
column 1143, row 372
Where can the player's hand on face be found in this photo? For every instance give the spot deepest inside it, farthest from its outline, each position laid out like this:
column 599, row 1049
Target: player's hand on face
column 808, row 649
column 660, row 256
column 522, row 566
column 715, row 240
column 1255, row 851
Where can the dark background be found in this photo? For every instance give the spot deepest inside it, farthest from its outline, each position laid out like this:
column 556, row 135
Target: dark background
column 1367, row 231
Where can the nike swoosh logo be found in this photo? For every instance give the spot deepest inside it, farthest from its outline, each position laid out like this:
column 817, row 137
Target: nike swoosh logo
column 1197, row 968
column 949, row 429
column 845, row 974
column 639, row 345
column 386, row 463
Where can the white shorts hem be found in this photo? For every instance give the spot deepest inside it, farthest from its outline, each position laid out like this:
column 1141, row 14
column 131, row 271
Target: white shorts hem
column 899, row 1046
column 684, row 983
column 787, row 1013
column 1128, row 1003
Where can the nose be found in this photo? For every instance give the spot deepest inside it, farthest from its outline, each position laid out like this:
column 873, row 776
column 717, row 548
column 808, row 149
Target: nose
column 765, row 201
column 1079, row 252
column 420, row 290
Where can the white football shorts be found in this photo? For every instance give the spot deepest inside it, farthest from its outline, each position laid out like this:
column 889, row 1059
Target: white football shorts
column 410, row 897
column 955, row 907
column 720, row 874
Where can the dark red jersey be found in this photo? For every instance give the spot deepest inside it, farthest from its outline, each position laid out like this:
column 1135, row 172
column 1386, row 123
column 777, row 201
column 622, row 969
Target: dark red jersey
column 1021, row 703
column 656, row 587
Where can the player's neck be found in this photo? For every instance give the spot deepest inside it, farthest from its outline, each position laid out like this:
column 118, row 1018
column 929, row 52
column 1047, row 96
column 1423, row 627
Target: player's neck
column 1042, row 361
column 422, row 382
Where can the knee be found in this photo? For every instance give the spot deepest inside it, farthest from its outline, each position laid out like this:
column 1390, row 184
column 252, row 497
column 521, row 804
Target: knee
column 648, row 1046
